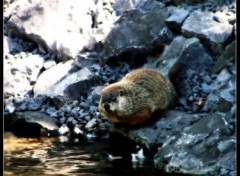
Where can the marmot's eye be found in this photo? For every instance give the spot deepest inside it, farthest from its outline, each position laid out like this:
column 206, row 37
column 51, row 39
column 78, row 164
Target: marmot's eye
column 121, row 92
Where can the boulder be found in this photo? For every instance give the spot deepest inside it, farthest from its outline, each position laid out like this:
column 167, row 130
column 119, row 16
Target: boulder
column 51, row 76
column 180, row 61
column 181, row 53
column 202, row 149
column 121, row 6
column 202, row 25
column 131, row 38
column 31, row 124
column 70, row 86
column 157, row 132
column 64, row 28
column 76, row 90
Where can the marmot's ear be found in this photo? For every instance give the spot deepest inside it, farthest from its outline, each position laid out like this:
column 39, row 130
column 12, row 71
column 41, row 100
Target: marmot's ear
column 121, row 92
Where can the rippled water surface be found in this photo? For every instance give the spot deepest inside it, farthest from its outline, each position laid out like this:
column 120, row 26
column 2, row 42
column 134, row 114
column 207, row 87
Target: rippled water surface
column 61, row 156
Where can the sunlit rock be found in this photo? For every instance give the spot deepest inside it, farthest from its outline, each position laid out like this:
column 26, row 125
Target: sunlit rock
column 51, row 76
column 202, row 25
column 20, row 74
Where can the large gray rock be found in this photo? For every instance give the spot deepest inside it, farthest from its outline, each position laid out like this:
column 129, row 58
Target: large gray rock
column 202, row 25
column 51, row 76
column 65, row 84
column 30, row 124
column 187, row 53
column 205, row 148
column 182, row 60
column 64, row 28
column 61, row 85
column 81, row 86
column 53, row 24
column 159, row 131
column 131, row 38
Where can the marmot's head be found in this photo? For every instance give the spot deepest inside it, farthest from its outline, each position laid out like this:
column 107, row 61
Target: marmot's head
column 114, row 101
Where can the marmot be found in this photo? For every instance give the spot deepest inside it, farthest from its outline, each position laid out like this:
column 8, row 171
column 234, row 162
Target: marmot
column 135, row 98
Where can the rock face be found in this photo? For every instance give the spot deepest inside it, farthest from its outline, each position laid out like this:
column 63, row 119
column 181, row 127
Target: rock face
column 181, row 53
column 156, row 134
column 20, row 74
column 134, row 32
column 63, row 27
column 59, row 55
column 198, row 147
column 222, row 98
column 202, row 25
column 55, row 73
column 187, row 149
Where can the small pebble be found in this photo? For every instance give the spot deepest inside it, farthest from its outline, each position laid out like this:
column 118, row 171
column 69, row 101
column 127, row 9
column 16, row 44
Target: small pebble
column 207, row 79
column 10, row 107
column 225, row 145
column 70, row 119
column 62, row 120
column 87, row 117
column 206, row 88
column 63, row 129
column 77, row 130
column 91, row 123
column 84, row 105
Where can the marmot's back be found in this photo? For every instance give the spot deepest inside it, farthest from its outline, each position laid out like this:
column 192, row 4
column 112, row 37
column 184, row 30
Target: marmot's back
column 137, row 96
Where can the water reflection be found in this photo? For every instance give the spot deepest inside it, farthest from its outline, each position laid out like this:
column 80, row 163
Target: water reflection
column 63, row 156
column 49, row 155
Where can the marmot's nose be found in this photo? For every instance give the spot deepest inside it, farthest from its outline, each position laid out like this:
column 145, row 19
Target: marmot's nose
column 107, row 108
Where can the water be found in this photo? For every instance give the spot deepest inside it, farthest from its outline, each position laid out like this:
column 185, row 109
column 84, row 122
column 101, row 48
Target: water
column 63, row 156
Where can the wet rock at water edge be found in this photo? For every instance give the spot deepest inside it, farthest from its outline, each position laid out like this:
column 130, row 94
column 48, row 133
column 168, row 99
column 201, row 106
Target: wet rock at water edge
column 31, row 124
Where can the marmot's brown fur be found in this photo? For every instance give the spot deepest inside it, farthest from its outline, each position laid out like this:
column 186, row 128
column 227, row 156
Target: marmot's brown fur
column 135, row 98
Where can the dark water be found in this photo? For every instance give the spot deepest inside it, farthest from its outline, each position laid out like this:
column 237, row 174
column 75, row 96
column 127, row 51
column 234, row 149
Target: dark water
column 62, row 156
